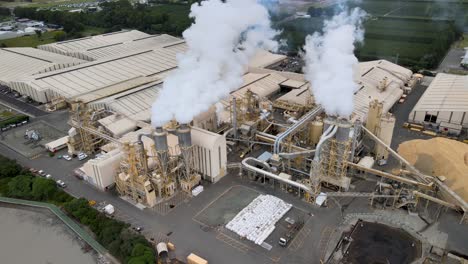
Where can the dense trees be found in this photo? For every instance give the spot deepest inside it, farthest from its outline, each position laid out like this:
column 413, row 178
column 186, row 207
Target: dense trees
column 116, row 15
column 4, row 11
column 8, row 168
column 123, row 243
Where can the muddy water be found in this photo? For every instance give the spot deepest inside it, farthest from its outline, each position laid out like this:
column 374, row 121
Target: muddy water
column 37, row 236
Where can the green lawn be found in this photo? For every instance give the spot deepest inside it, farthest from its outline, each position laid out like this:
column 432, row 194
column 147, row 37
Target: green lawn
column 91, row 31
column 6, row 114
column 464, row 43
column 29, row 41
column 417, row 33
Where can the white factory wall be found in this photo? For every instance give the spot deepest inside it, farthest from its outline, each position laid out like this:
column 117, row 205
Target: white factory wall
column 445, row 100
column 100, row 172
column 435, row 117
column 209, row 153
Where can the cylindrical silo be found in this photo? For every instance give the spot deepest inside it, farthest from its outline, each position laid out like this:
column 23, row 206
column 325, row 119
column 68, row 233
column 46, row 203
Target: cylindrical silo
column 344, row 127
column 315, row 132
column 185, row 138
column 160, row 139
column 160, row 142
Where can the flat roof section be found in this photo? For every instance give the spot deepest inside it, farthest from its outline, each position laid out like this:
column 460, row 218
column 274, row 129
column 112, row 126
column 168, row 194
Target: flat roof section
column 447, row 92
column 17, row 63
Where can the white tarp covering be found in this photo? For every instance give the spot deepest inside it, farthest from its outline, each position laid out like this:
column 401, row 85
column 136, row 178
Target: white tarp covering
column 257, row 220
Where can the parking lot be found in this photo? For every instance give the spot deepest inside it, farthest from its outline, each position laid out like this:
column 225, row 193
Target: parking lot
column 11, row 99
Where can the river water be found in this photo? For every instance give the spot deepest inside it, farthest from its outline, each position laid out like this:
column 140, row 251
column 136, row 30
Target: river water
column 38, row 236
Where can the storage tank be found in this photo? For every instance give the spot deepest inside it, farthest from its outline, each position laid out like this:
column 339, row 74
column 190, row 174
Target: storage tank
column 373, row 115
column 184, row 135
column 344, row 127
column 160, row 142
column 315, row 132
column 161, row 248
column 160, row 139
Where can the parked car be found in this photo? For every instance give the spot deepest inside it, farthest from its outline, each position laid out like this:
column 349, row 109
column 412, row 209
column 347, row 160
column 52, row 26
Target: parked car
column 283, row 241
column 82, row 156
column 67, row 157
column 48, row 176
column 61, row 184
column 41, row 173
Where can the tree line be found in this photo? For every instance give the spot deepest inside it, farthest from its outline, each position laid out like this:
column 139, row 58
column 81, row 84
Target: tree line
column 123, row 243
column 170, row 19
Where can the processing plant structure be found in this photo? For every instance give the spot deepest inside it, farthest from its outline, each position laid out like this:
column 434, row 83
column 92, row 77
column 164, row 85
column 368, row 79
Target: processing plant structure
column 309, row 153
column 269, row 131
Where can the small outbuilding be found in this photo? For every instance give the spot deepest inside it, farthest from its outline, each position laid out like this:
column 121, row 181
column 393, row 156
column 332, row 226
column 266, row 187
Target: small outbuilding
column 445, row 100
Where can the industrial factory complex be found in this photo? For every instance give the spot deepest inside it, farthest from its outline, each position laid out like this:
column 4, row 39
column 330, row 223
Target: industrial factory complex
column 331, row 182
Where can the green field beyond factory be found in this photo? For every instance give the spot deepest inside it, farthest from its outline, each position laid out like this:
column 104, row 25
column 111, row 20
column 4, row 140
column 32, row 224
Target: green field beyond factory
column 413, row 33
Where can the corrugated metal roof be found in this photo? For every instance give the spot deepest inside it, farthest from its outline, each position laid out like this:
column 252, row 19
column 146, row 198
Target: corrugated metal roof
column 368, row 76
column 135, row 105
column 301, row 96
column 102, row 78
column 262, row 85
column 20, row 62
column 447, row 92
column 79, row 46
column 263, row 59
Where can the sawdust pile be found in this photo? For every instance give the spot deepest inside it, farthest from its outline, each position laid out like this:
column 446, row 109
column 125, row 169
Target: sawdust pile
column 440, row 156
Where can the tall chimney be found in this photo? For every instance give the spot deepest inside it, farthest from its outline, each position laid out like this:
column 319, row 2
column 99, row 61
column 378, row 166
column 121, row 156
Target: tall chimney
column 185, row 138
column 185, row 142
column 160, row 141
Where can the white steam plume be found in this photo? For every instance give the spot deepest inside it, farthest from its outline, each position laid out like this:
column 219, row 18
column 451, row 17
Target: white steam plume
column 330, row 62
column 222, row 39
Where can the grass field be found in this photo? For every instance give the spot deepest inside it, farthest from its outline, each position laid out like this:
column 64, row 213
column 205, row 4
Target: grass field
column 415, row 33
column 47, row 37
column 29, row 41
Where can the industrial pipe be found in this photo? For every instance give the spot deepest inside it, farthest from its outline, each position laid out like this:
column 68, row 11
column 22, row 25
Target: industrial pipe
column 313, row 113
column 435, row 200
column 272, row 175
column 390, row 176
column 416, row 172
column 234, row 117
column 293, row 155
column 330, row 132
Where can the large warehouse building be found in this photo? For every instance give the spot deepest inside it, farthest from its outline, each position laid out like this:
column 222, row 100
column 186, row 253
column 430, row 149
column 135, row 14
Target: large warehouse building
column 445, row 101
column 17, row 63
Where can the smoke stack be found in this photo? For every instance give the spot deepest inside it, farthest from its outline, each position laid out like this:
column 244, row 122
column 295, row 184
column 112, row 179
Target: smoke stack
column 185, row 142
column 160, row 141
column 344, row 127
column 185, row 138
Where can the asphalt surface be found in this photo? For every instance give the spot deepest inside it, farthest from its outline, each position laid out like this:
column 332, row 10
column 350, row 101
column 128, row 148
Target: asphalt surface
column 452, row 60
column 26, row 108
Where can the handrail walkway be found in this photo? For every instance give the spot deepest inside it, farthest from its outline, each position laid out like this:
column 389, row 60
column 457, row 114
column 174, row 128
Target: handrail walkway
column 67, row 220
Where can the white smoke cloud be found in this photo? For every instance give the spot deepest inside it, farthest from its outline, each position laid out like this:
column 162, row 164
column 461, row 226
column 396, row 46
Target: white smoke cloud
column 222, row 39
column 330, row 62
